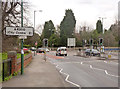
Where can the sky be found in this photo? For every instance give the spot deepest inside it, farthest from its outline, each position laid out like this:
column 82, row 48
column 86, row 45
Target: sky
column 86, row 12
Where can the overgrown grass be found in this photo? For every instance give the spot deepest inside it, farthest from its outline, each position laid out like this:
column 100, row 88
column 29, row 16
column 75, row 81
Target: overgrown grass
column 4, row 55
column 0, row 78
column 19, row 55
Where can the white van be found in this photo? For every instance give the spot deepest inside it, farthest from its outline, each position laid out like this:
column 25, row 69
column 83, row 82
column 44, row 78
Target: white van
column 61, row 51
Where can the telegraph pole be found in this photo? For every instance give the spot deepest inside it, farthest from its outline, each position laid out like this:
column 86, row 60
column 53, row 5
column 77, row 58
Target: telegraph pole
column 22, row 52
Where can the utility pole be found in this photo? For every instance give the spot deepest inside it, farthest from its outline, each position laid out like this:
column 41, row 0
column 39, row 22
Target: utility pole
column 22, row 52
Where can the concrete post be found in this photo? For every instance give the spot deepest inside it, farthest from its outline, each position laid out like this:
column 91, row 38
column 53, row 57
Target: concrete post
column 13, row 55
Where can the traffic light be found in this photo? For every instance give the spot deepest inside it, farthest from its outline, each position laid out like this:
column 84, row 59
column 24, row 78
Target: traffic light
column 91, row 41
column 46, row 42
column 83, row 42
column 119, row 44
column 101, row 41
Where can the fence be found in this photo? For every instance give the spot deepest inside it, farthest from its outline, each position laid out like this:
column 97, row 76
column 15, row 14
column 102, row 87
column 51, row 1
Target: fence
column 7, row 68
column 12, row 64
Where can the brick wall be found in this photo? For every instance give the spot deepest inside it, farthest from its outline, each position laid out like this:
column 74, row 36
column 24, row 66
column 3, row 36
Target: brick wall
column 27, row 60
column 16, row 63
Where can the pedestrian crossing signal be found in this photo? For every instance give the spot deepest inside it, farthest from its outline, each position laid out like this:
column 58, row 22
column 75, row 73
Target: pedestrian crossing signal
column 45, row 42
column 101, row 41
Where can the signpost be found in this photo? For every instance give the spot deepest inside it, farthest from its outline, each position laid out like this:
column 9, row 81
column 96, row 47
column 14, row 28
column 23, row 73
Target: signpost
column 22, row 55
column 22, row 37
column 36, row 48
column 45, row 44
column 22, row 32
column 71, row 42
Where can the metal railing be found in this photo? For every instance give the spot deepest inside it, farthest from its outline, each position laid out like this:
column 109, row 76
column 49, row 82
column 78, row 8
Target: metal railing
column 6, row 68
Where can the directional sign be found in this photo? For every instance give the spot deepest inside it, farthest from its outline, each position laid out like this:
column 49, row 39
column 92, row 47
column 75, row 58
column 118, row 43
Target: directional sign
column 71, row 42
column 19, row 31
column 22, row 37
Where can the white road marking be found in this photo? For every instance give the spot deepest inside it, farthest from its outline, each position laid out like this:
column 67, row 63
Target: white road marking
column 100, row 70
column 81, row 63
column 66, row 79
column 90, row 66
column 106, row 72
column 111, row 62
column 114, row 62
column 105, row 61
column 110, row 74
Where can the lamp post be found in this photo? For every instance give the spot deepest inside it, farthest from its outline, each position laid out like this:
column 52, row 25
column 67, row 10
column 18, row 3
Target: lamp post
column 22, row 53
column 34, row 22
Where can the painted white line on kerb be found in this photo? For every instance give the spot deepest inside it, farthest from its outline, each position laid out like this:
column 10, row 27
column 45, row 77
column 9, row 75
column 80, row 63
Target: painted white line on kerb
column 66, row 79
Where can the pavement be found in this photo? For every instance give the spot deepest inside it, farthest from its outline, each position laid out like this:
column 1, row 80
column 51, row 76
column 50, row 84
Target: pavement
column 38, row 74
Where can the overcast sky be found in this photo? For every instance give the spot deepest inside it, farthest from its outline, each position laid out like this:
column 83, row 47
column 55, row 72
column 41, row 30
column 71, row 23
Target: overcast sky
column 85, row 11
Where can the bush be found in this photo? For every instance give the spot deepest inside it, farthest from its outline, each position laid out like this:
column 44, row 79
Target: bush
column 27, row 46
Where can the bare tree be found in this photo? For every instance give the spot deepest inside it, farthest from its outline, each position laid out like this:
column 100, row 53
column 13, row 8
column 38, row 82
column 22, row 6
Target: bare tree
column 11, row 16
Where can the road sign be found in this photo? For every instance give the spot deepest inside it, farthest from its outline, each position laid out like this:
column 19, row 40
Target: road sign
column 22, row 37
column 71, row 42
column 23, row 31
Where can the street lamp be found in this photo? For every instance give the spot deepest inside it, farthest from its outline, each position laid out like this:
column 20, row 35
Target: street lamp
column 34, row 23
column 34, row 16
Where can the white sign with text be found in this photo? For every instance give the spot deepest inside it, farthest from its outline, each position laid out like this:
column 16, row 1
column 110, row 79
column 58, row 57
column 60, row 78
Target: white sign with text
column 71, row 42
column 19, row 31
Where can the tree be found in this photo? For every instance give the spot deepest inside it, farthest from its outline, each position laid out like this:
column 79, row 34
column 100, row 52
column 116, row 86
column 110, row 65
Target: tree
column 109, row 39
column 11, row 16
column 54, row 40
column 31, row 40
column 95, row 36
column 48, row 30
column 67, row 26
column 99, row 26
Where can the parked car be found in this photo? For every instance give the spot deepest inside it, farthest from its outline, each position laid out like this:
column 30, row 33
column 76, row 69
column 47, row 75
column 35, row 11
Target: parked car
column 25, row 49
column 61, row 51
column 40, row 50
column 93, row 52
column 47, row 50
column 33, row 49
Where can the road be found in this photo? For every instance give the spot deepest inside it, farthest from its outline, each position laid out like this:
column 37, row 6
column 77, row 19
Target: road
column 86, row 72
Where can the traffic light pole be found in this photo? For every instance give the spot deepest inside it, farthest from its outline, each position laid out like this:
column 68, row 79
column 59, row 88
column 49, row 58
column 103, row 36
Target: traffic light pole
column 22, row 52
